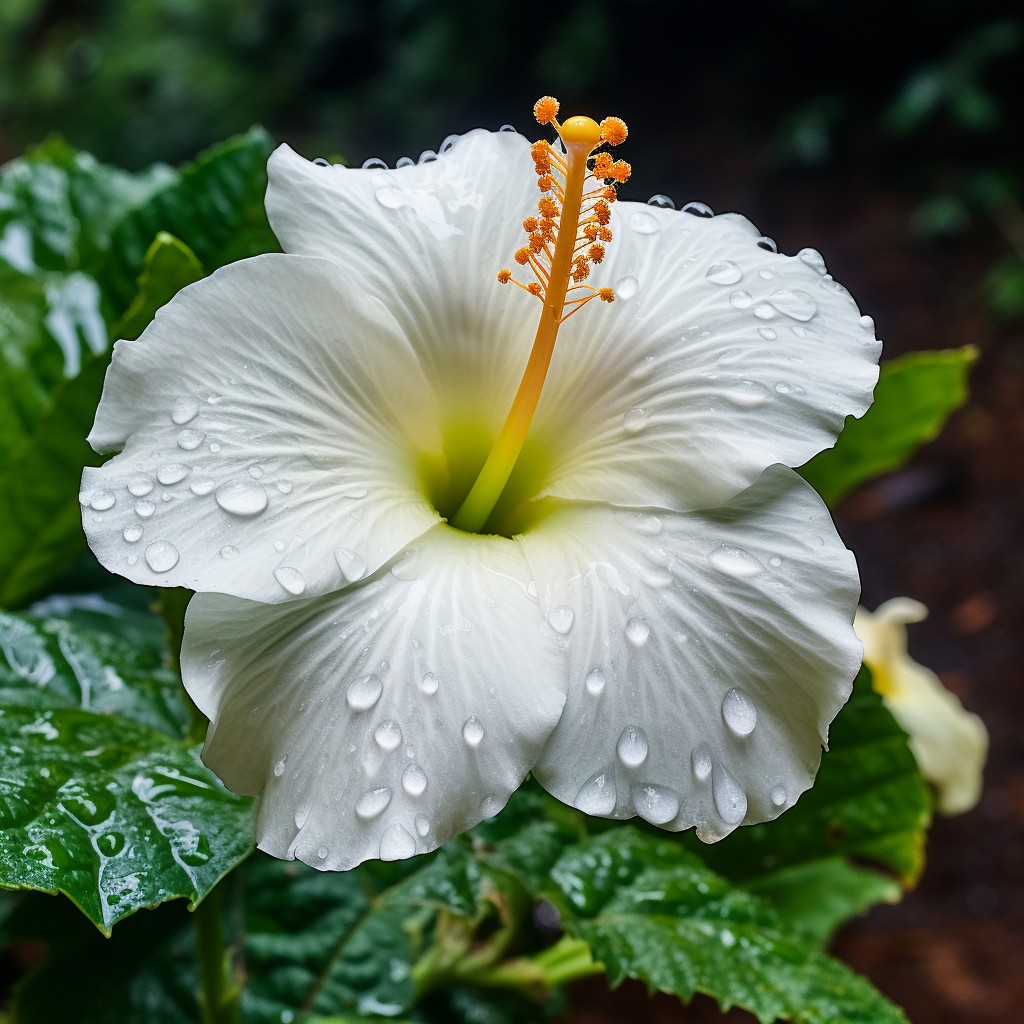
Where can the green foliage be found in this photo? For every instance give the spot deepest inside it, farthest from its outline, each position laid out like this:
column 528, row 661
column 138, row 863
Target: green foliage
column 102, row 796
column 914, row 397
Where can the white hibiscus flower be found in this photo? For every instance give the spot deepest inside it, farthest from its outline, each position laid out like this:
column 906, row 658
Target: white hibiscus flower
column 653, row 614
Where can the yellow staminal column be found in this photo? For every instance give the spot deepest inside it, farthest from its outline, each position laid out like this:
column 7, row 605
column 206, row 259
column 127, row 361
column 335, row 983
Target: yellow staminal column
column 579, row 219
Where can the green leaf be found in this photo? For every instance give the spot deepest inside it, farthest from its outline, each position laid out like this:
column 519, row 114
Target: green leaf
column 916, row 394
column 102, row 797
column 651, row 910
column 869, row 803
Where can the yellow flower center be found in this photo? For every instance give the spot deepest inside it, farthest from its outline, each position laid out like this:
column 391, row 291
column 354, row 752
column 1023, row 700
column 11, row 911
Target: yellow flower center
column 564, row 241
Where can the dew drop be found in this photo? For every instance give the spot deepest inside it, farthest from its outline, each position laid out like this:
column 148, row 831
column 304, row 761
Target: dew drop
column 724, row 272
column 767, row 333
column 374, row 163
column 428, row 156
column 794, row 303
column 291, row 579
column 364, row 692
column 255, row 472
column 172, row 473
column 662, row 202
column 783, row 388
column 597, row 796
column 595, row 682
column 422, row 823
column 729, row 356
column 279, row 545
column 133, row 533
column 102, row 500
column 768, row 244
column 162, row 556
column 351, row 565
column 279, row 767
column 560, row 618
column 626, row 287
column 301, row 815
column 813, row 259
column 472, row 731
column 637, row 631
column 405, row 161
column 867, row 323
column 140, row 486
column 765, row 311
column 321, row 162
column 322, row 852
column 185, row 410
column 203, row 486
column 700, row 762
column 508, row 128
column 373, row 802
column 739, row 712
column 214, row 447
column 189, row 440
column 397, row 844
column 284, row 486
column 429, row 683
column 414, row 780
column 747, row 394
column 388, row 735
column 643, row 223
column 656, row 804
column 699, row 210
column 730, row 800
column 779, row 796
column 735, row 561
column 110, row 844
column 242, row 497
column 765, row 275
column 775, row 561
column 634, row 419
column 741, row 299
column 632, row 746
column 390, row 198
column 228, row 552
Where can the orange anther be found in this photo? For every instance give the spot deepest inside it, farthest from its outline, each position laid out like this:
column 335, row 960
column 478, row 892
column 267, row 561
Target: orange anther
column 537, row 241
column 504, row 276
column 613, row 131
column 620, row 171
column 610, row 194
column 605, row 234
column 547, row 225
column 602, row 165
column 522, row 256
column 546, row 183
column 548, row 207
column 602, row 212
column 606, row 294
column 533, row 288
column 595, row 253
column 546, row 110
column 530, row 224
column 580, row 269
column 590, row 232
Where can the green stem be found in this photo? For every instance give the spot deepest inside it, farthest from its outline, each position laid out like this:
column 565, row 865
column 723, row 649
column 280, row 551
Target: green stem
column 218, row 995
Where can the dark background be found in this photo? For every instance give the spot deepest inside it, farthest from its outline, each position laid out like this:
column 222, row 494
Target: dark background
column 888, row 136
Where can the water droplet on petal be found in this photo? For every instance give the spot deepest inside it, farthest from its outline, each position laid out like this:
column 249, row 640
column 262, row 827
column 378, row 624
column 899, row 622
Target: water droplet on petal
column 214, row 447
column 626, row 287
column 132, row 533
column 422, row 823
column 429, row 683
column 144, row 509
column 388, row 735
column 284, row 486
column 374, row 163
column 656, row 804
column 867, row 323
column 242, row 497
column 203, row 486
column 724, row 272
column 397, row 844
column 595, row 681
column 637, row 631
column 321, row 162
column 185, row 409
column 102, row 500
column 813, row 259
column 699, row 210
column 279, row 767
column 508, row 128
column 414, row 780
column 730, row 800
column 748, row 394
column 162, row 556
column 302, row 814
column 405, row 161
column 473, row 731
column 322, row 852
column 110, row 844
column 255, row 472
column 364, row 692
column 189, row 440
column 140, row 486
column 767, row 333
column 643, row 223
column 632, row 746
column 765, row 311
column 597, row 796
column 291, row 579
column 739, row 712
column 779, row 796
column 741, row 299
column 373, row 802
column 764, row 242
column 700, row 762
column 794, row 303
column 662, row 202
column 172, row 473
column 735, row 561
column 390, row 198
column 560, row 618
column 634, row 419
column 229, row 551
column 351, row 565
column 775, row 561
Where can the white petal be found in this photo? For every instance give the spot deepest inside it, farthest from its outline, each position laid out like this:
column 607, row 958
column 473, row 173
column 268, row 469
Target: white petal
column 429, row 240
column 709, row 653
column 950, row 744
column 717, row 359
column 272, row 423
column 383, row 720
